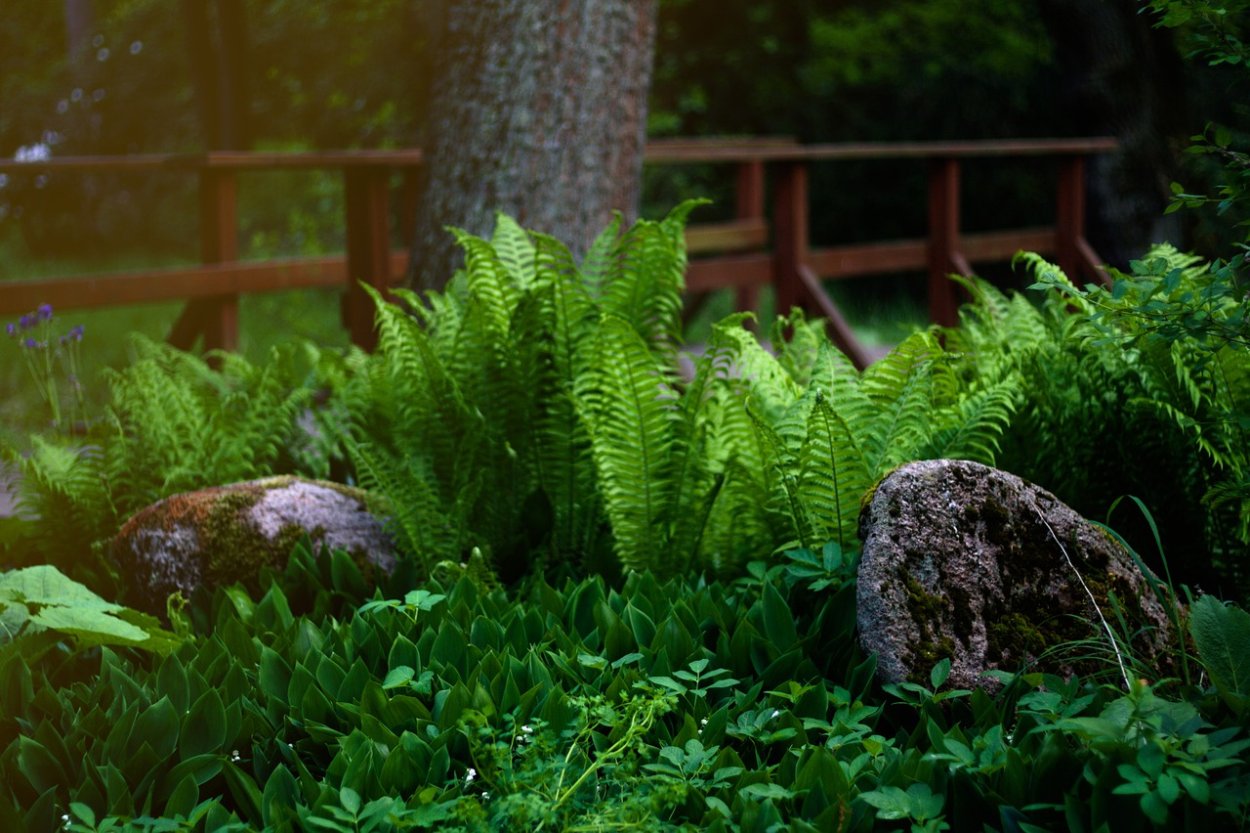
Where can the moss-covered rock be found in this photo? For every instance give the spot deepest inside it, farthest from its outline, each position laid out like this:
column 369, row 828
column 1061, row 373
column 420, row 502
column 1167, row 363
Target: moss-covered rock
column 968, row 562
column 227, row 534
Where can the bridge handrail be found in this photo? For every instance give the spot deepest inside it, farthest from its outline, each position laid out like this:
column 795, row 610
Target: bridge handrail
column 756, row 248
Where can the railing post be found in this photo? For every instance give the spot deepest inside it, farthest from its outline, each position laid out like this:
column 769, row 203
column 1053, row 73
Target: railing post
column 749, row 205
column 368, row 248
column 790, row 233
column 943, row 239
column 217, row 317
column 1070, row 215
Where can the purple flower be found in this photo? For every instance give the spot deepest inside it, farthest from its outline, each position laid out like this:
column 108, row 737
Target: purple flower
column 30, row 344
column 76, row 333
column 44, row 312
column 11, row 329
column 26, row 322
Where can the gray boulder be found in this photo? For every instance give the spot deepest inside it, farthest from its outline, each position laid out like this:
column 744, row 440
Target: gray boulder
column 226, row 534
column 964, row 561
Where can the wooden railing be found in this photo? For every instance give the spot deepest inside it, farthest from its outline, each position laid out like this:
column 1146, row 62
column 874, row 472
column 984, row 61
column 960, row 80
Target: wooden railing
column 757, row 248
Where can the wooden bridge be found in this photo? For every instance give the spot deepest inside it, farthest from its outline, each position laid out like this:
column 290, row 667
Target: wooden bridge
column 766, row 244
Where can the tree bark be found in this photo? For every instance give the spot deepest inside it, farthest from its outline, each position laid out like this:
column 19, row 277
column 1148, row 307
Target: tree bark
column 1123, row 77
column 538, row 109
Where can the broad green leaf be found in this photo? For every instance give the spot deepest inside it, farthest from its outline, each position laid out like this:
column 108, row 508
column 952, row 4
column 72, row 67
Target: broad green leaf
column 1222, row 634
column 94, row 624
column 46, row 585
column 398, row 677
column 204, row 728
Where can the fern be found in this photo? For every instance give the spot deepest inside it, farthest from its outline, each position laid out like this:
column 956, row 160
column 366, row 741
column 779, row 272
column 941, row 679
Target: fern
column 173, row 424
column 629, row 405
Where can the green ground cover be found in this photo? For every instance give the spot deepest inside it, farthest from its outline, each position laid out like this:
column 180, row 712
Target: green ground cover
column 625, row 600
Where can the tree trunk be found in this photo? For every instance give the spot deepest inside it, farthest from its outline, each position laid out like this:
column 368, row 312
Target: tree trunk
column 1124, row 78
column 538, row 110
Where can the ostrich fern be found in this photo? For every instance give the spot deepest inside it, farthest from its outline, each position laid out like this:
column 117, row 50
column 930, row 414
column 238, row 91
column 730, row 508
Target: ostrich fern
column 173, row 424
column 535, row 406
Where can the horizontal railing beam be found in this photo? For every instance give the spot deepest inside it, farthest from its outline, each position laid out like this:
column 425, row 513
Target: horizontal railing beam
column 182, row 283
column 658, row 152
column 730, row 236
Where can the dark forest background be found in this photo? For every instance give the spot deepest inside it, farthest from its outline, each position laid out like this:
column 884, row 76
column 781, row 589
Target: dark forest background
column 137, row 76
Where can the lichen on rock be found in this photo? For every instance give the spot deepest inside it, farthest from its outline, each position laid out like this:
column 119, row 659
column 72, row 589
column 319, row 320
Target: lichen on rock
column 968, row 562
column 226, row 534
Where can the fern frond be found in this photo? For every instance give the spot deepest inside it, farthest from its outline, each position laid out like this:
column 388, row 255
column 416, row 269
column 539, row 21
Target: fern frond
column 833, row 473
column 739, row 527
column 647, row 291
column 798, row 354
column 489, row 282
column 628, row 405
column 515, row 250
column 696, row 482
column 602, row 263
column 781, row 451
column 563, row 445
column 410, row 501
column 900, row 385
column 972, row 427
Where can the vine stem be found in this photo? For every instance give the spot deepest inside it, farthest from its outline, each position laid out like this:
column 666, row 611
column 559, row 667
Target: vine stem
column 1119, row 657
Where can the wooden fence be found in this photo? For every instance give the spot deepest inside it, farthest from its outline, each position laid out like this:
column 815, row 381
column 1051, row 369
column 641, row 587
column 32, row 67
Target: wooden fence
column 759, row 247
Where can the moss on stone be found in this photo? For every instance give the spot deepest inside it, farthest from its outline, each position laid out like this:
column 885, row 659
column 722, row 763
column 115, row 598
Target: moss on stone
column 927, row 608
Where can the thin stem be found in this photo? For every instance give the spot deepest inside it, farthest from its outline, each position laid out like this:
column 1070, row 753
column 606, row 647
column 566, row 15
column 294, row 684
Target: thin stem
column 1119, row 658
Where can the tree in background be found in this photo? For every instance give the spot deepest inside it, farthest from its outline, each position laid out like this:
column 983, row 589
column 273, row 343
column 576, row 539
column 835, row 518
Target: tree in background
column 538, row 109
column 1121, row 76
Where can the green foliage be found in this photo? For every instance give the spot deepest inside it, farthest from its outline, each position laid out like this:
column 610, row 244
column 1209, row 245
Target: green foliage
column 173, row 424
column 41, row 599
column 535, row 411
column 1117, row 385
column 677, row 705
column 1222, row 634
column 1159, row 357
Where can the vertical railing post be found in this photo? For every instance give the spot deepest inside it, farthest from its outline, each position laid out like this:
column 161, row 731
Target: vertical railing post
column 749, row 205
column 216, row 317
column 368, row 248
column 790, row 233
column 1070, row 215
column 943, row 239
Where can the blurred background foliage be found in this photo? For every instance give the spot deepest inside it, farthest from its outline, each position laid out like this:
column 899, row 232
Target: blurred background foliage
column 135, row 76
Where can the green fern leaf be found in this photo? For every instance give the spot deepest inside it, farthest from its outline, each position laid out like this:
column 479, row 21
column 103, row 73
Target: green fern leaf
column 515, row 251
column 629, row 406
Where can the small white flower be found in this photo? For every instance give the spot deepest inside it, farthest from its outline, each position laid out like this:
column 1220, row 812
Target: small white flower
column 470, row 776
column 774, row 715
column 703, row 722
column 234, row 756
column 529, row 730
